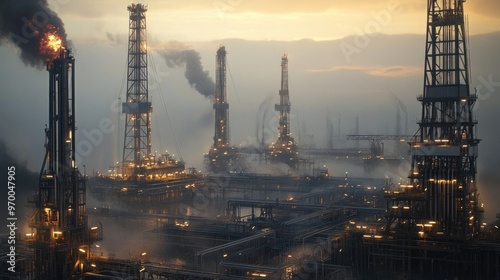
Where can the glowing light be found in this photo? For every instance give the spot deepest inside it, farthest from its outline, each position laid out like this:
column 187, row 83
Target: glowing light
column 81, row 250
column 50, row 43
column 54, row 42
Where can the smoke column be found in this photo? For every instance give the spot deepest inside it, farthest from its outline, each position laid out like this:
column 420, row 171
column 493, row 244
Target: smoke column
column 196, row 76
column 24, row 23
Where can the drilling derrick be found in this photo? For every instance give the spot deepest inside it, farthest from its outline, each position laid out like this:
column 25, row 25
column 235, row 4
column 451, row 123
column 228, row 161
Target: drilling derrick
column 61, row 236
column 220, row 154
column 285, row 149
column 137, row 141
column 440, row 199
column 138, row 163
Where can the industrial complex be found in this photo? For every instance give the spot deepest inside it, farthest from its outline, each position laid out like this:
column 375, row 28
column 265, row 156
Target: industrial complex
column 232, row 223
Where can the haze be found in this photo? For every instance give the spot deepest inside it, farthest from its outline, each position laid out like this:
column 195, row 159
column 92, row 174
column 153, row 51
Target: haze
column 336, row 72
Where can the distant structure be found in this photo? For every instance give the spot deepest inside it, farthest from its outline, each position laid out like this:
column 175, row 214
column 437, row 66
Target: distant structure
column 284, row 149
column 61, row 237
column 329, row 134
column 400, row 108
column 221, row 152
column 376, row 145
column 138, row 162
column 378, row 157
column 356, row 131
column 440, row 200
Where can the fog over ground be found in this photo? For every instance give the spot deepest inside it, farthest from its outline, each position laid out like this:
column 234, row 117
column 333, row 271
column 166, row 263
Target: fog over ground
column 335, row 79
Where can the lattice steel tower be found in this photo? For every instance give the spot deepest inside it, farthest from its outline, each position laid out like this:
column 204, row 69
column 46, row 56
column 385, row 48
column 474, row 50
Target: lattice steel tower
column 221, row 136
column 137, row 140
column 441, row 199
column 221, row 152
column 284, row 107
column 285, row 149
column 61, row 235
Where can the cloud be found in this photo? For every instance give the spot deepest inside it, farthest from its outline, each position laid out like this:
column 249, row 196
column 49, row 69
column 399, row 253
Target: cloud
column 258, row 19
column 310, row 7
column 118, row 39
column 377, row 71
column 489, row 8
column 98, row 8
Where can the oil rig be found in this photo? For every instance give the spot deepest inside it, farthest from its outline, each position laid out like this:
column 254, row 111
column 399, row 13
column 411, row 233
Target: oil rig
column 60, row 235
column 434, row 220
column 284, row 149
column 138, row 163
column 442, row 189
column 221, row 153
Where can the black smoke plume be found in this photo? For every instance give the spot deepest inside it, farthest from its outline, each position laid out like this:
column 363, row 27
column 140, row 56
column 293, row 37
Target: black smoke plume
column 196, row 76
column 24, row 23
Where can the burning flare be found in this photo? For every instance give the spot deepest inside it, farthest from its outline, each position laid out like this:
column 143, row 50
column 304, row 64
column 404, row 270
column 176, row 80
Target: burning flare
column 50, row 44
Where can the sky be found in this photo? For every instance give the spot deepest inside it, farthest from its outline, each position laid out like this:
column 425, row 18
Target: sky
column 265, row 20
column 327, row 81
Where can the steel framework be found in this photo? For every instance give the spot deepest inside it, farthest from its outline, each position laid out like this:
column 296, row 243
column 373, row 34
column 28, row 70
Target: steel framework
column 61, row 233
column 221, row 152
column 285, row 149
column 376, row 145
column 221, row 137
column 441, row 198
column 137, row 140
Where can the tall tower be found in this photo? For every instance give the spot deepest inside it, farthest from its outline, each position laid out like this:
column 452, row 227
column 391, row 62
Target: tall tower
column 220, row 154
column 221, row 136
column 284, row 107
column 61, row 237
column 441, row 199
column 285, row 149
column 137, row 140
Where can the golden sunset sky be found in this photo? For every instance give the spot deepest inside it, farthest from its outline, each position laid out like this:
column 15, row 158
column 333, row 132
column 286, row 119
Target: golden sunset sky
column 282, row 20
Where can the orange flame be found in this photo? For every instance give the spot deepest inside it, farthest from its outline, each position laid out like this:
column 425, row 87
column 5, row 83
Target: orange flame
column 54, row 43
column 50, row 44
